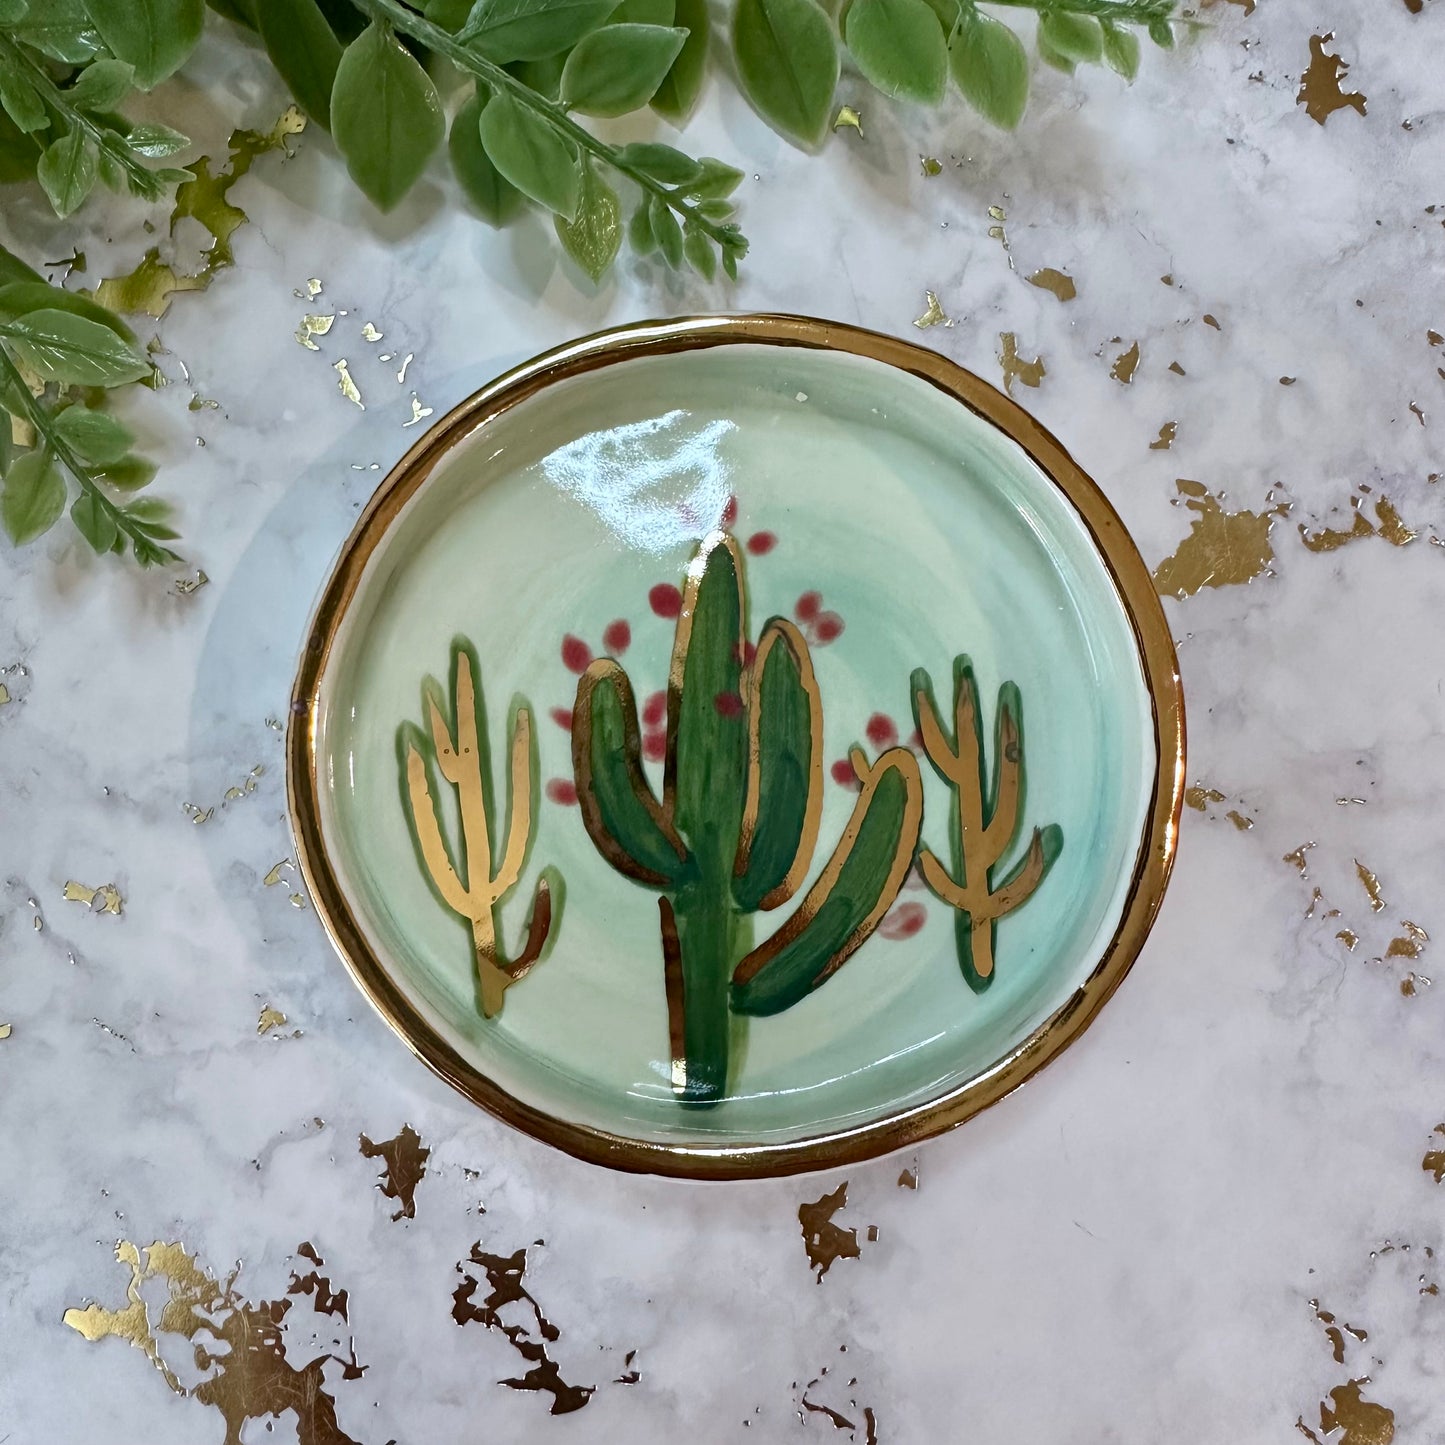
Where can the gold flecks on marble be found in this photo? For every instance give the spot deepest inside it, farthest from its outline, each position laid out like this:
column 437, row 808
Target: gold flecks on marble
column 312, row 291
column 1434, row 1160
column 203, row 198
column 419, row 412
column 1200, row 798
column 1178, row 370
column 848, row 116
column 198, row 814
column 312, row 325
column 105, row 899
column 1410, row 984
column 1222, row 549
column 1361, row 1421
column 1349, row 938
column 345, row 384
column 1058, row 282
column 5, row 1031
column 1371, row 885
column 1336, row 1330
column 1211, row 321
column 403, row 1168
column 274, row 874
column 933, row 314
column 908, row 1179
column 1298, row 858
column 185, row 586
column 1167, row 278
column 1126, row 365
column 369, row 332
column 401, row 375
column 4, row 694
column 1435, row 338
column 1167, row 433
column 1240, row 821
column 931, row 166
column 271, row 1018
column 1410, row 944
column 297, row 900
column 1419, row 415
column 1319, row 90
column 1015, row 368
column 1388, row 525
column 825, row 1240
column 997, row 232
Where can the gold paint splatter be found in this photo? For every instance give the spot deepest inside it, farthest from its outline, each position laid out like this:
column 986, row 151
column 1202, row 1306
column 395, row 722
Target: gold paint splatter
column 1178, row 370
column 1222, row 549
column 271, row 1018
column 931, row 166
column 313, row 289
column 1299, row 860
column 1388, row 524
column 1349, row 938
column 1200, row 798
column 1407, row 984
column 401, row 375
column 297, row 900
column 1371, row 885
column 1015, row 368
column 1061, row 284
column 185, row 586
column 4, row 1031
column 345, row 384
column 1126, row 365
column 1167, row 434
column 997, row 213
column 824, row 1240
column 1210, row 321
column 311, row 326
column 933, row 315
column 370, row 333
column 105, row 899
column 1434, row 1161
column 1288, row 380
column 418, row 411
column 1410, row 944
column 1319, row 90
column 203, row 198
column 273, row 875
column 908, row 1179
column 4, row 694
column 1239, row 820
column 1435, row 338
column 848, row 116
column 404, row 1166
column 1419, row 415
column 1363, row 1421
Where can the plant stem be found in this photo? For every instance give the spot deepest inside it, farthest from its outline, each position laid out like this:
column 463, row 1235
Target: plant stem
column 1127, row 12
column 444, row 43
column 59, row 448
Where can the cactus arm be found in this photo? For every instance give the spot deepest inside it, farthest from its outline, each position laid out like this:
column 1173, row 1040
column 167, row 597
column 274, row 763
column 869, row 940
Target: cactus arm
column 850, row 898
column 783, row 802
column 941, row 880
column 519, row 806
column 428, row 835
column 673, row 985
column 538, row 933
column 460, row 763
column 626, row 823
column 936, row 743
column 1008, row 759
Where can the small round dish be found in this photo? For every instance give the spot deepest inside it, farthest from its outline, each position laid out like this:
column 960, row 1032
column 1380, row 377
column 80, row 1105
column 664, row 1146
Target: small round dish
column 737, row 746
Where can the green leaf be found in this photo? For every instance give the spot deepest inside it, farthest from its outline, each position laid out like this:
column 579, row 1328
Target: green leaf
column 19, row 154
column 718, row 210
column 1075, row 37
column 718, row 179
column 304, row 51
column 664, row 164
column 488, row 190
column 155, row 36
column 346, row 19
column 94, row 521
column 506, row 30
column 616, row 69
column 666, row 231
column 92, row 435
column 643, row 12
column 61, row 346
column 900, row 48
column 1161, row 32
column 682, row 85
column 524, row 147
column 33, row 498
column 991, row 68
column 697, row 248
column 66, row 171
column 155, row 142
column 240, row 11
column 101, row 85
column 62, row 30
column 639, row 230
column 1050, row 56
column 20, row 298
column 593, row 239
column 788, row 64
column 12, row 12
column 13, row 269
column 20, row 99
column 128, row 473
column 449, row 14
column 386, row 117
column 543, row 76
column 1121, row 49
column 150, row 513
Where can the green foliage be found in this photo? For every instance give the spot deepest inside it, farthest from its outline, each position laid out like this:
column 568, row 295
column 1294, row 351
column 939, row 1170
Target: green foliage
column 154, row 36
column 787, row 59
column 505, row 30
column 899, row 46
column 304, row 49
column 33, row 497
column 61, row 346
column 991, row 68
column 594, row 237
column 487, row 188
column 680, row 88
column 535, row 157
column 619, row 68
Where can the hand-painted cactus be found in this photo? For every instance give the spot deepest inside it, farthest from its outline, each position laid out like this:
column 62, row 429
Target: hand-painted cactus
column 984, row 819
column 736, row 827
column 459, row 748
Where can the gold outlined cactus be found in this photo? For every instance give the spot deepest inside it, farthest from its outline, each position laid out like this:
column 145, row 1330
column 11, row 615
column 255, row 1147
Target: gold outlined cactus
column 460, row 752
column 984, row 819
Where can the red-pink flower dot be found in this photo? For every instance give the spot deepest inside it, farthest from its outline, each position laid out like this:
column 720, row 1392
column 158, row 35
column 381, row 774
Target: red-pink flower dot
column 743, row 653
column 654, row 746
column 843, row 774
column 807, row 607
column 730, row 511
column 617, row 637
column 562, row 716
column 562, row 790
column 904, row 921
column 761, row 543
column 728, row 704
column 665, row 600
column 881, row 731
column 915, row 741
column 914, row 879
column 828, row 628
column 654, row 710
column 575, row 654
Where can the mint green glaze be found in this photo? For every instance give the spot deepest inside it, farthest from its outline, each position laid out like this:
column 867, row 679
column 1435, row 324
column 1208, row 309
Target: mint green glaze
column 926, row 531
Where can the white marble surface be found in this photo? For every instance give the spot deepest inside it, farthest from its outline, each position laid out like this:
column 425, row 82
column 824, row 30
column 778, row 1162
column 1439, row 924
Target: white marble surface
column 1127, row 1249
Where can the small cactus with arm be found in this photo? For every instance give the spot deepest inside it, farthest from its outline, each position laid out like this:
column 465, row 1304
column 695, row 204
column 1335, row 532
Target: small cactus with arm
column 458, row 746
column 736, row 827
column 984, row 820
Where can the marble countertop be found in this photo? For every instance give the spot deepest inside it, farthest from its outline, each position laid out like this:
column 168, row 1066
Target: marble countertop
column 1219, row 1215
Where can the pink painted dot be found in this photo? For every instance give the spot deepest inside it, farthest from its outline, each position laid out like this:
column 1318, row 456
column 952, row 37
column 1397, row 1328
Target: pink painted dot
column 665, row 600
column 807, row 607
column 881, row 730
column 728, row 704
column 843, row 774
column 575, row 654
column 761, row 543
column 654, row 746
column 904, row 921
column 915, row 741
column 562, row 716
column 730, row 512
column 914, row 879
column 617, row 637
column 828, row 628
column 654, row 710
column 744, row 653
column 562, row 790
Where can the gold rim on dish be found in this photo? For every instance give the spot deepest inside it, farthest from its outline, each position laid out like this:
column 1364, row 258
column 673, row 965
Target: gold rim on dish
column 844, row 1146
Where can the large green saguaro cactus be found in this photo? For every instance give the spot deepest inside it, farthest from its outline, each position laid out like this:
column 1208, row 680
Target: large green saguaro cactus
column 736, row 827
